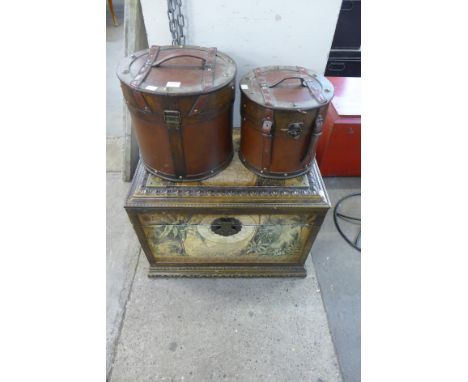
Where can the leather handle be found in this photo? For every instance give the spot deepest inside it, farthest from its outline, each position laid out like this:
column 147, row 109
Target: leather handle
column 207, row 57
column 294, row 77
column 172, row 56
column 310, row 82
column 314, row 85
column 267, row 139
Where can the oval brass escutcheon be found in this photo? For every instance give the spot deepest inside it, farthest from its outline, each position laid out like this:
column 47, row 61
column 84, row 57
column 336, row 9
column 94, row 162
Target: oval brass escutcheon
column 295, row 129
column 226, row 226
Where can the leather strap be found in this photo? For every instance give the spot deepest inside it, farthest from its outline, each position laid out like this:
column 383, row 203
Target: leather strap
column 199, row 104
column 208, row 81
column 209, row 69
column 314, row 86
column 267, row 139
column 264, row 88
column 268, row 120
column 145, row 69
column 174, row 129
column 177, row 150
column 315, row 135
column 140, row 101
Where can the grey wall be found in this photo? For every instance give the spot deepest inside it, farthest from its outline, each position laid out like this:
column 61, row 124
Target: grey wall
column 114, row 52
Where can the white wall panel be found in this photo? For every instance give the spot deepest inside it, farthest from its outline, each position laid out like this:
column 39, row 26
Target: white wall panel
column 253, row 32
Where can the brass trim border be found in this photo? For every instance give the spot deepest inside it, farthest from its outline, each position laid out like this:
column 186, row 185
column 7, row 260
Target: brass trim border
column 272, row 175
column 190, row 178
column 224, row 271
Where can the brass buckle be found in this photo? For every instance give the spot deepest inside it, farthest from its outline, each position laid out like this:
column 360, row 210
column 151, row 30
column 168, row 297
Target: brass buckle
column 172, row 119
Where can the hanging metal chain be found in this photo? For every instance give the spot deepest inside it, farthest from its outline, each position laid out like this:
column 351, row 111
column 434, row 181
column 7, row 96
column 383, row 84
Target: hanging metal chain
column 176, row 21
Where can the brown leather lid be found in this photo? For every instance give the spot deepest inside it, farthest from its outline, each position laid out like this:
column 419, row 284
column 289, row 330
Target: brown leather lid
column 177, row 70
column 287, row 87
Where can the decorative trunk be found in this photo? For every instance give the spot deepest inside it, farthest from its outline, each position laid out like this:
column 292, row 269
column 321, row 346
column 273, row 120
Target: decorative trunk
column 283, row 108
column 235, row 224
column 180, row 99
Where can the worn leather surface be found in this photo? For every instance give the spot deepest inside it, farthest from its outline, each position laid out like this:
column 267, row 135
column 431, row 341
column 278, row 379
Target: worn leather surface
column 203, row 142
column 174, row 70
column 287, row 87
column 278, row 95
column 288, row 154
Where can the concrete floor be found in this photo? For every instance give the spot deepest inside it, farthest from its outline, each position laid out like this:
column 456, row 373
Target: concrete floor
column 338, row 268
column 210, row 330
column 123, row 250
column 225, row 329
